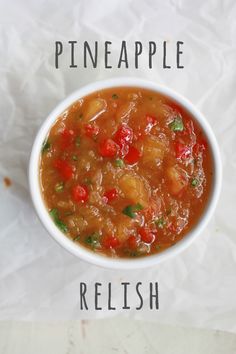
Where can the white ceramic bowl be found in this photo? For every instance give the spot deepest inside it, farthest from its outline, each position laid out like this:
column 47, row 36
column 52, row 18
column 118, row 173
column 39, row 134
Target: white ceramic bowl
column 84, row 253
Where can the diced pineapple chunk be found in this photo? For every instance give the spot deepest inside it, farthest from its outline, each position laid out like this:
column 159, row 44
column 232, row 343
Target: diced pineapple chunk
column 96, row 179
column 93, row 216
column 163, row 111
column 65, row 204
column 153, row 151
column 134, row 189
column 124, row 227
column 177, row 179
column 95, row 108
column 124, row 111
column 77, row 223
column 108, row 226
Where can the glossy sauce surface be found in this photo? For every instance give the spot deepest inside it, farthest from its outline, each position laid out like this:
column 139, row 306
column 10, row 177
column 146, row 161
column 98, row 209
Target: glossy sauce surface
column 125, row 172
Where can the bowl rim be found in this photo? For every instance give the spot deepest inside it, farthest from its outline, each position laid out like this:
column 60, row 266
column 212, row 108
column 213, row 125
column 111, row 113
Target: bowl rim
column 84, row 253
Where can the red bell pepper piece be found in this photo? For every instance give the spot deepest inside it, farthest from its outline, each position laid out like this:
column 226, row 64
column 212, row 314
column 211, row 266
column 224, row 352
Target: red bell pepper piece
column 124, row 135
column 111, row 195
column 132, row 156
column 110, row 242
column 91, row 130
column 182, row 151
column 80, row 193
column 146, row 234
column 64, row 168
column 132, row 242
column 67, row 138
column 108, row 148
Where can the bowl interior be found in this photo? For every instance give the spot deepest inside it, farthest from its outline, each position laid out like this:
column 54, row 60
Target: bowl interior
column 80, row 251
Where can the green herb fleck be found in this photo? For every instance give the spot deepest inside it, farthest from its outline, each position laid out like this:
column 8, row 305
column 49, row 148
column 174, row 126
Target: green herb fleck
column 119, row 163
column 74, row 157
column 158, row 247
column 58, row 222
column 194, row 182
column 76, row 238
column 81, row 116
column 59, row 187
column 115, row 96
column 131, row 253
column 177, row 125
column 93, row 240
column 161, row 223
column 77, row 141
column 46, row 146
column 131, row 210
column 134, row 254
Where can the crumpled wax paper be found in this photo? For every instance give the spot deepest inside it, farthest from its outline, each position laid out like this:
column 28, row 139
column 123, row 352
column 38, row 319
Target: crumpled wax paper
column 38, row 279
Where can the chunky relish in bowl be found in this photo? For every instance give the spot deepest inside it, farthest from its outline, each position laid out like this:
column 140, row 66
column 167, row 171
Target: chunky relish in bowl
column 125, row 172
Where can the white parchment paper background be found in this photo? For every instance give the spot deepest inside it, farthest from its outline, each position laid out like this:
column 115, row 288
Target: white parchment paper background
column 38, row 279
